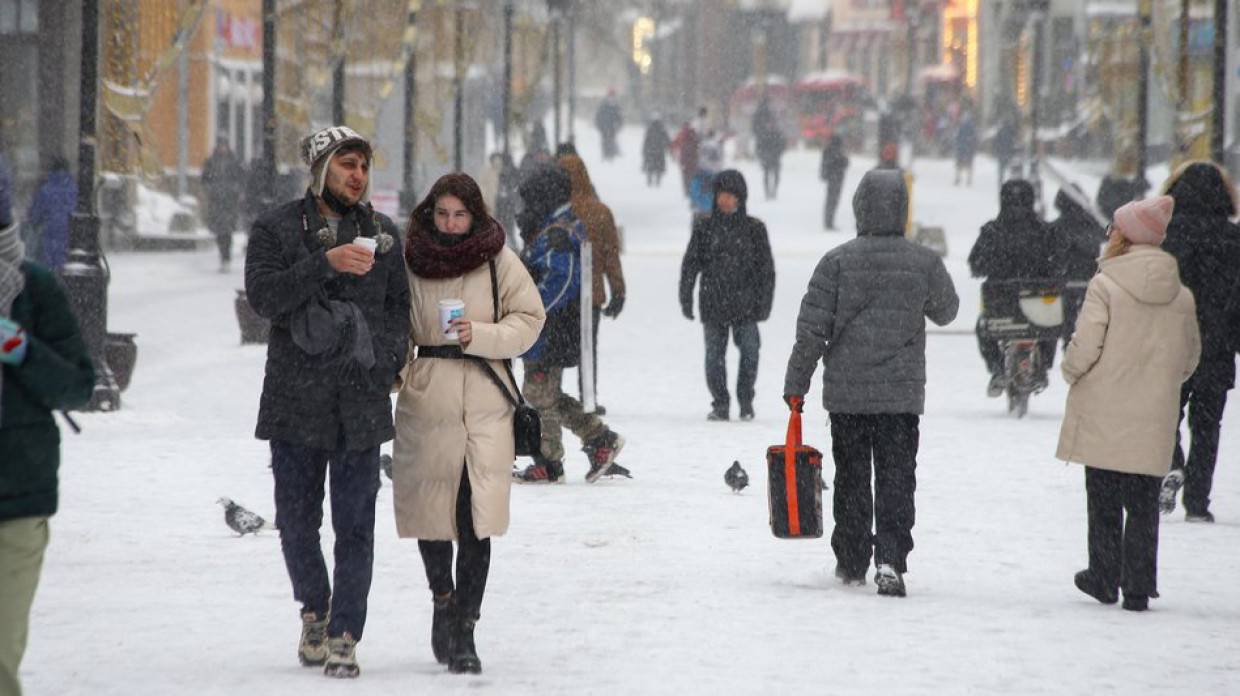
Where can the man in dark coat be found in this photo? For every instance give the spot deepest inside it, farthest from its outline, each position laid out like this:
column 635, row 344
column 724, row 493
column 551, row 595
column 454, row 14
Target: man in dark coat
column 49, row 213
column 1207, row 246
column 222, row 179
column 655, row 145
column 1078, row 238
column 340, row 326
column 769, row 144
column 1005, row 144
column 608, row 119
column 1015, row 245
column 966, row 148
column 44, row 366
column 831, row 170
column 732, row 254
column 864, row 316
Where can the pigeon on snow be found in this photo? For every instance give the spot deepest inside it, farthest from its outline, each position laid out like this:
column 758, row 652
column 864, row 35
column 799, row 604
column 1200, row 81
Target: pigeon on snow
column 240, row 520
column 736, row 477
column 385, row 463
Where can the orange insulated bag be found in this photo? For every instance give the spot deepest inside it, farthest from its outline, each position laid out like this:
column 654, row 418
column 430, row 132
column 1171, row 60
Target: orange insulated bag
column 794, row 488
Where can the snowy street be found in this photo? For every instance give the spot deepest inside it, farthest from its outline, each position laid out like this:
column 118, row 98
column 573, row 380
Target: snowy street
column 666, row 583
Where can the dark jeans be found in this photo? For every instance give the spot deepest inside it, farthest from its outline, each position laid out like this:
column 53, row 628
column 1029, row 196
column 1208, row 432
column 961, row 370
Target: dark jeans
column 834, row 186
column 770, row 179
column 299, row 475
column 1205, row 413
column 890, row 440
column 224, row 241
column 1123, row 554
column 473, row 558
column 749, row 342
column 594, row 344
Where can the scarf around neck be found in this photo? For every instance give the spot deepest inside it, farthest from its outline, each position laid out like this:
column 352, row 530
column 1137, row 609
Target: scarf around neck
column 430, row 258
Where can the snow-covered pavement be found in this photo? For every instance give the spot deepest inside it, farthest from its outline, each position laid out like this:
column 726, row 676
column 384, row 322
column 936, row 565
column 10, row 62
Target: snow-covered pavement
column 667, row 583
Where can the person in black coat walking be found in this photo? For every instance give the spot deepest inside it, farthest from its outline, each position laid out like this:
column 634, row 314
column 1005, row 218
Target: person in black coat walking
column 831, row 170
column 1207, row 246
column 731, row 252
column 1079, row 239
column 769, row 141
column 1015, row 245
column 655, row 145
column 328, row 273
column 223, row 175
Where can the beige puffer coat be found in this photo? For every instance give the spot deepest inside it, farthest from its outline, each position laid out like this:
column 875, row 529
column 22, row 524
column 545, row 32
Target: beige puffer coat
column 450, row 416
column 1135, row 343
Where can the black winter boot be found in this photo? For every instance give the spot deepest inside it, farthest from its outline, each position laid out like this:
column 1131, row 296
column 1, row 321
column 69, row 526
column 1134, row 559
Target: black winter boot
column 464, row 658
column 441, row 627
column 1088, row 583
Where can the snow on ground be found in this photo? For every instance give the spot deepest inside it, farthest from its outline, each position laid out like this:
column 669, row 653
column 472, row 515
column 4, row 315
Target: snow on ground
column 667, row 583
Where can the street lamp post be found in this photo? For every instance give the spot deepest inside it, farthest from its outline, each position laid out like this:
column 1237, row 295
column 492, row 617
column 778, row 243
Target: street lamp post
column 1145, row 11
column 555, row 70
column 84, row 277
column 508, row 10
column 1040, row 9
column 1219, row 120
column 458, row 78
column 572, row 71
column 408, row 193
column 338, row 68
column 268, row 180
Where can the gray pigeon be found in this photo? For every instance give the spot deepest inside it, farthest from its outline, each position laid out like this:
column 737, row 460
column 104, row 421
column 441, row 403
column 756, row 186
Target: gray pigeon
column 240, row 520
column 736, row 477
column 385, row 463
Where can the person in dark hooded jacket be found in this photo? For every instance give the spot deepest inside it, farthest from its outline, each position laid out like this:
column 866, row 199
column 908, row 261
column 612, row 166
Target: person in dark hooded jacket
column 732, row 254
column 1015, row 245
column 1207, row 247
column 50, row 211
column 1079, row 239
column 863, row 316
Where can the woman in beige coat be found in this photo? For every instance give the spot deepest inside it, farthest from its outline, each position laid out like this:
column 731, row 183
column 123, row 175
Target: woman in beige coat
column 1135, row 343
column 453, row 454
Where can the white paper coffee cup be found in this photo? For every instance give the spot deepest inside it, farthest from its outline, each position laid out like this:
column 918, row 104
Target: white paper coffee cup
column 449, row 310
column 368, row 242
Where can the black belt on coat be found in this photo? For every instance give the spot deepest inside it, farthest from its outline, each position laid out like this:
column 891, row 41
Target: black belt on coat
column 447, row 351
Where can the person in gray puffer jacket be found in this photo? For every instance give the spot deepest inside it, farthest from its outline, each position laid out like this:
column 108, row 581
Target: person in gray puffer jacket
column 864, row 316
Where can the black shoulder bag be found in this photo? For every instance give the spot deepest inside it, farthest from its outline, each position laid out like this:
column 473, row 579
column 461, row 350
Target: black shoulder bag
column 526, row 425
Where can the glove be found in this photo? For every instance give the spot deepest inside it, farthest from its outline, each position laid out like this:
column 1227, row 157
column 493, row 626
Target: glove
column 614, row 306
column 12, row 342
column 796, row 402
column 687, row 310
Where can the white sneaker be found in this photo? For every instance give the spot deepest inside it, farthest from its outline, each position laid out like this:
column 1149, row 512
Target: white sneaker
column 1171, row 485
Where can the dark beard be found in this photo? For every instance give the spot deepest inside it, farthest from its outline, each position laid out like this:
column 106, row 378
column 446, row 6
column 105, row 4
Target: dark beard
column 335, row 203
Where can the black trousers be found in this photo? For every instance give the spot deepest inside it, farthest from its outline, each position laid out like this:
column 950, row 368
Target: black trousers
column 890, row 441
column 835, row 186
column 749, row 342
column 1205, row 414
column 770, row 179
column 1123, row 553
column 299, row 475
column 473, row 559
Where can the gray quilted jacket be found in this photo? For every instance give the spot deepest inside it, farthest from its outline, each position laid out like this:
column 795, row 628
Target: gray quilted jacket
column 865, row 310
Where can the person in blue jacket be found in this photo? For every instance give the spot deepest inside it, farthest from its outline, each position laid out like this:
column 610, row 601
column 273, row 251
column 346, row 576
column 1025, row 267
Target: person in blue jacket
column 50, row 211
column 552, row 237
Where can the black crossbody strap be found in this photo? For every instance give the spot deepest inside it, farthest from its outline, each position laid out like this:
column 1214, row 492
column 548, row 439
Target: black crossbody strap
column 519, row 400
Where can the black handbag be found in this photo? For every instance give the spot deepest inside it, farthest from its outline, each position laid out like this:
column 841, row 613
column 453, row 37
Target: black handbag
column 526, row 424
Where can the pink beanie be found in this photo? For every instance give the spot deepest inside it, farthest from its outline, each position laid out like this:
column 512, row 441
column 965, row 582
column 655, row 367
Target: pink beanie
column 1145, row 221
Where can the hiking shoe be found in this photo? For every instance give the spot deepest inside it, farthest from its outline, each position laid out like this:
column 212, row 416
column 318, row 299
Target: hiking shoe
column 1136, row 602
column 441, row 627
column 312, row 650
column 848, row 577
column 998, row 383
column 602, row 451
column 341, row 658
column 889, row 580
column 717, row 415
column 1088, row 583
column 541, row 471
column 1171, row 484
column 1204, row 516
column 464, row 659
column 747, row 412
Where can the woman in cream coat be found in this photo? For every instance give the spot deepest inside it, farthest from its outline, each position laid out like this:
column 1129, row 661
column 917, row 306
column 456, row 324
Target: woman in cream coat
column 453, row 454
column 1135, row 343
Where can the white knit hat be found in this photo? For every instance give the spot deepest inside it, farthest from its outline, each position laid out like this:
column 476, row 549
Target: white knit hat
column 318, row 148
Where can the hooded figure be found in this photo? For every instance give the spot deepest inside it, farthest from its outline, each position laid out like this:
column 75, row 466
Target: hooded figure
column 1136, row 341
column 50, row 212
column 655, row 145
column 1015, row 245
column 1206, row 246
column 864, row 316
column 731, row 253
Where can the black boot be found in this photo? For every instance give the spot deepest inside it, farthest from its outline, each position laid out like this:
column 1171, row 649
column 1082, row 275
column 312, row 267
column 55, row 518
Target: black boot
column 464, row 658
column 1088, row 583
column 441, row 627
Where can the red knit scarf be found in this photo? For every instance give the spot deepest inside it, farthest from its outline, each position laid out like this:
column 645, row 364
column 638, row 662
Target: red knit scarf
column 428, row 258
